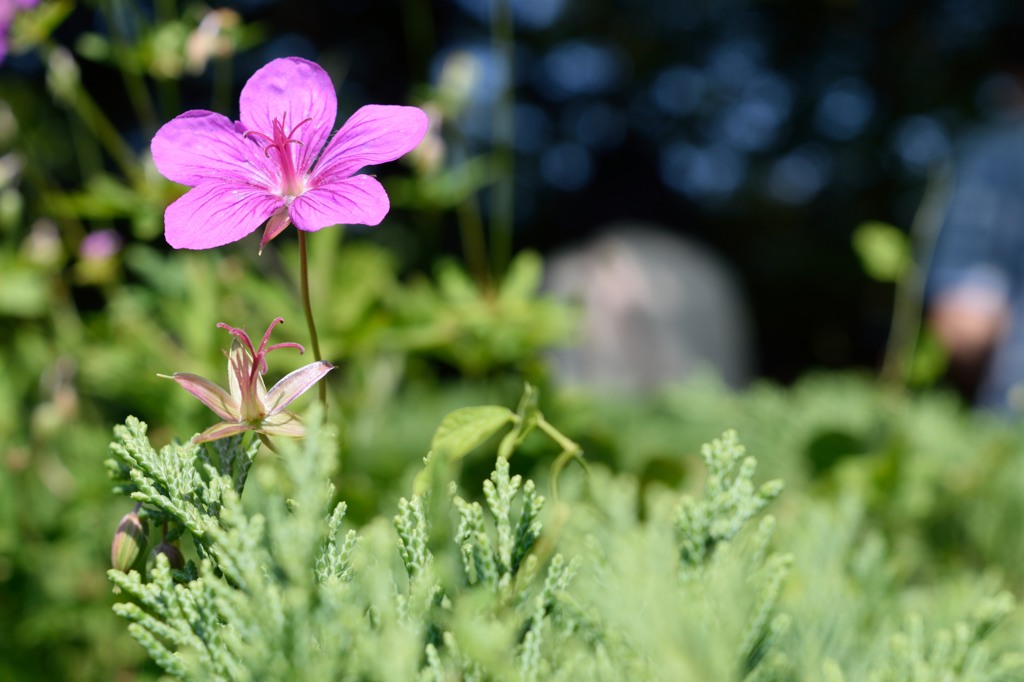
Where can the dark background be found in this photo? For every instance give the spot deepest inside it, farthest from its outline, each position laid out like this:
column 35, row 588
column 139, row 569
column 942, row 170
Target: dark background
column 766, row 130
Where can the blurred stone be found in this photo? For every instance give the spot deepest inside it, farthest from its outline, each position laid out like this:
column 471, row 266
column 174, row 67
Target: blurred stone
column 656, row 309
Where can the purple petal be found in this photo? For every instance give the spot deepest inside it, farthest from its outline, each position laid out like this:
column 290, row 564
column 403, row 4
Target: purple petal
column 221, row 430
column 359, row 199
column 291, row 90
column 211, row 395
column 283, row 424
column 214, row 214
column 202, row 145
column 294, row 385
column 375, row 134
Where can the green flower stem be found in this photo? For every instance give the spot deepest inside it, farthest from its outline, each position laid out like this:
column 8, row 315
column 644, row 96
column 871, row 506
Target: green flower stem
column 503, row 193
column 908, row 300
column 314, row 341
column 570, row 451
column 472, row 233
column 265, row 439
column 222, row 83
column 135, row 85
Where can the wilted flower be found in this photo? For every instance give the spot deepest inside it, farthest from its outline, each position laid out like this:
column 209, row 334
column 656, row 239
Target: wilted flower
column 269, row 165
column 129, row 540
column 8, row 10
column 248, row 405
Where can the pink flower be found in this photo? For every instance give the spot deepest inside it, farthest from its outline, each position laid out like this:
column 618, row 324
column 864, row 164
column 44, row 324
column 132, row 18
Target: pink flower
column 249, row 405
column 269, row 165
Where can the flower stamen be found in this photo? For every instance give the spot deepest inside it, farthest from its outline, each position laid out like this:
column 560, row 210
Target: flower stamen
column 280, row 140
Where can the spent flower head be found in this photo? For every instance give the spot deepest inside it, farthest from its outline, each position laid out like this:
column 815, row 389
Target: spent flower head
column 248, row 405
column 272, row 164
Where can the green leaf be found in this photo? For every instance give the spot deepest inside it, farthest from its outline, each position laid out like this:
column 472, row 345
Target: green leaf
column 35, row 27
column 455, row 284
column 466, row 428
column 883, row 249
column 23, row 293
column 523, row 278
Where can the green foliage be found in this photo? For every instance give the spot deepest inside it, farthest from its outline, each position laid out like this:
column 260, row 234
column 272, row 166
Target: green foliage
column 893, row 555
column 466, row 428
column 952, row 654
column 729, row 502
column 613, row 583
column 477, row 329
column 276, row 595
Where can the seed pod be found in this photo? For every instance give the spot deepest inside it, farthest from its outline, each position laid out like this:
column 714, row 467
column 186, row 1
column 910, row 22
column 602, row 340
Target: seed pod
column 173, row 554
column 129, row 541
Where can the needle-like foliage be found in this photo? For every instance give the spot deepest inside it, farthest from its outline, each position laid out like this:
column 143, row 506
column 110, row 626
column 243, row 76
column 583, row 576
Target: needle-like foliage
column 606, row 583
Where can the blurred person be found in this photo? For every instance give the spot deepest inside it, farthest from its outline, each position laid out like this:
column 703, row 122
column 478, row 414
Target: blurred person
column 656, row 309
column 975, row 297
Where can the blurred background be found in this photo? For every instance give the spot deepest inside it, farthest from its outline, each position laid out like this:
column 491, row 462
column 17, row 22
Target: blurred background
column 734, row 192
column 767, row 131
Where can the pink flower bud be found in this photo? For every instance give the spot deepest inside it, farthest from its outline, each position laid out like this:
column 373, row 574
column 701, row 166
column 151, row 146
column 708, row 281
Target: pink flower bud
column 129, row 541
column 100, row 245
column 173, row 554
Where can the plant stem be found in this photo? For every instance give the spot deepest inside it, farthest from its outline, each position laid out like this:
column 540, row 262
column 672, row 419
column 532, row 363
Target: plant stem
column 908, row 304
column 115, row 13
column 267, row 442
column 471, row 231
column 570, row 451
column 314, row 341
column 503, row 193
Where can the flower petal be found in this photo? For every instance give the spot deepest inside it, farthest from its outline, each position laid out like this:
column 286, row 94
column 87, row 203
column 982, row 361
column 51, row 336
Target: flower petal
column 291, row 90
column 359, row 199
column 221, row 430
column 283, row 424
column 198, row 146
column 217, row 213
column 295, row 384
column 245, row 381
column 239, row 366
column 211, row 395
column 374, row 134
